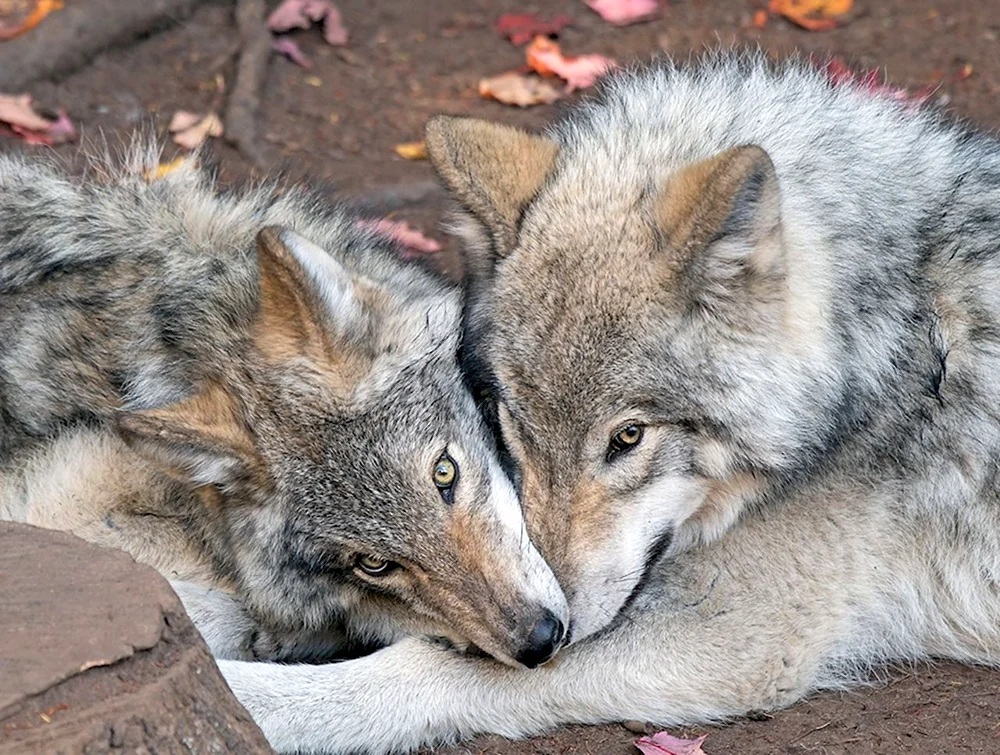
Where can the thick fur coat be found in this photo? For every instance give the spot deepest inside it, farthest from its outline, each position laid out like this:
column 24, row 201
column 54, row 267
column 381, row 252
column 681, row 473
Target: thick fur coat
column 739, row 328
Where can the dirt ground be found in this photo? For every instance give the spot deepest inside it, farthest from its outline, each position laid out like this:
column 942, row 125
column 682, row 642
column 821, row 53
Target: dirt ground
column 409, row 59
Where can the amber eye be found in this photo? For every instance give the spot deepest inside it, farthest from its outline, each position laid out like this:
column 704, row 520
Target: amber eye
column 373, row 565
column 625, row 439
column 445, row 475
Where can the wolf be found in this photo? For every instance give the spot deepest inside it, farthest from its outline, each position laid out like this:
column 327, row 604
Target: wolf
column 739, row 328
column 259, row 399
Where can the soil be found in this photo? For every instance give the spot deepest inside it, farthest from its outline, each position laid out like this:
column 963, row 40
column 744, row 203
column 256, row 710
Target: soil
column 337, row 125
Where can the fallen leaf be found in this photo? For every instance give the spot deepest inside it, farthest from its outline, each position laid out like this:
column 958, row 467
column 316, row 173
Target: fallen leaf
column 412, row 241
column 519, row 89
column 334, row 31
column 759, row 18
column 523, row 27
column 665, row 744
column 301, row 14
column 183, row 120
column 18, row 115
column 813, row 15
column 190, row 130
column 290, row 49
column 625, row 12
column 873, row 81
column 164, row 169
column 579, row 72
column 16, row 110
column 412, row 151
column 39, row 9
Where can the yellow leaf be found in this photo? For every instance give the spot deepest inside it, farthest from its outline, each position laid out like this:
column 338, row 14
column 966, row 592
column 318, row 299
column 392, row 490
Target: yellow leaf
column 814, row 15
column 164, row 169
column 412, row 151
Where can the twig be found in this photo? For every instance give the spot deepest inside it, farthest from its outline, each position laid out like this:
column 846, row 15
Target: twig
column 251, row 71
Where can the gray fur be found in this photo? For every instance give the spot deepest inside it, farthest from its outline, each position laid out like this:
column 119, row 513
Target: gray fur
column 293, row 436
column 793, row 286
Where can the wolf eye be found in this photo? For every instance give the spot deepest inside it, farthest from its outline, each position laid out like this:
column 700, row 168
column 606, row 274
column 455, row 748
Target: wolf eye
column 625, row 439
column 445, row 476
column 373, row 565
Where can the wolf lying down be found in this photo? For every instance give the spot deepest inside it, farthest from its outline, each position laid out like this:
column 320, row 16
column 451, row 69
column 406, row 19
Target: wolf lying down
column 265, row 404
column 740, row 328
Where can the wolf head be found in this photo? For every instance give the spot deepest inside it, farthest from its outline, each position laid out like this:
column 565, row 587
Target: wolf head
column 344, row 469
column 640, row 330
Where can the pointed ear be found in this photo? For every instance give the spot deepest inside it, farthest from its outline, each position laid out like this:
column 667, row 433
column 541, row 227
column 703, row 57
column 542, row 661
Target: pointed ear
column 721, row 219
column 200, row 440
column 306, row 296
column 493, row 170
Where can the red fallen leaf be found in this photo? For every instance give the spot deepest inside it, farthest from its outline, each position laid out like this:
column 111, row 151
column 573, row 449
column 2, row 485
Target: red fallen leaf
column 873, row 81
column 413, row 242
column 20, row 118
column 290, row 49
column 523, row 27
column 664, row 744
column 579, row 72
column 963, row 73
column 38, row 11
column 625, row 12
column 301, row 14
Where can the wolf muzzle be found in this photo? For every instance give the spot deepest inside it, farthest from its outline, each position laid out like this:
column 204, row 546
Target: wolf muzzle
column 544, row 639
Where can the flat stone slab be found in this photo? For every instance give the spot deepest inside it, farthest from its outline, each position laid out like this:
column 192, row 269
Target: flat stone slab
column 97, row 654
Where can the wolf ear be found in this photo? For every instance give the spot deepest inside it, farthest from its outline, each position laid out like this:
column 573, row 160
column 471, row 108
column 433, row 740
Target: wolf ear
column 199, row 440
column 722, row 221
column 493, row 170
column 305, row 296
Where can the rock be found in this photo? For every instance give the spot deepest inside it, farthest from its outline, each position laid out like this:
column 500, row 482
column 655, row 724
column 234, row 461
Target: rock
column 97, row 654
column 637, row 727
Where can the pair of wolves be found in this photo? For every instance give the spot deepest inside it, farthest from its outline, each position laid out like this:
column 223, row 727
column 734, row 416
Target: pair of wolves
column 737, row 329
column 260, row 400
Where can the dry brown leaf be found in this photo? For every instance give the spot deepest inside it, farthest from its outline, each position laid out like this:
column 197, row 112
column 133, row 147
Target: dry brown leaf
column 523, row 90
column 190, row 130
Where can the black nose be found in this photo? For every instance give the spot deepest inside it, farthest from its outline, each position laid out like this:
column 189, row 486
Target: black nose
column 543, row 641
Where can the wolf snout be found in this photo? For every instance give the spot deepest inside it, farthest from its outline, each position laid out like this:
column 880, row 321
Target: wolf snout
column 543, row 639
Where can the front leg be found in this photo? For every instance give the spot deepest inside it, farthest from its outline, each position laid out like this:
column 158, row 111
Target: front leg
column 224, row 624
column 414, row 693
column 232, row 633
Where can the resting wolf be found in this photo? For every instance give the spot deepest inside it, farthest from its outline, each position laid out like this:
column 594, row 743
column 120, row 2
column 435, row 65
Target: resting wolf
column 264, row 403
column 740, row 327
